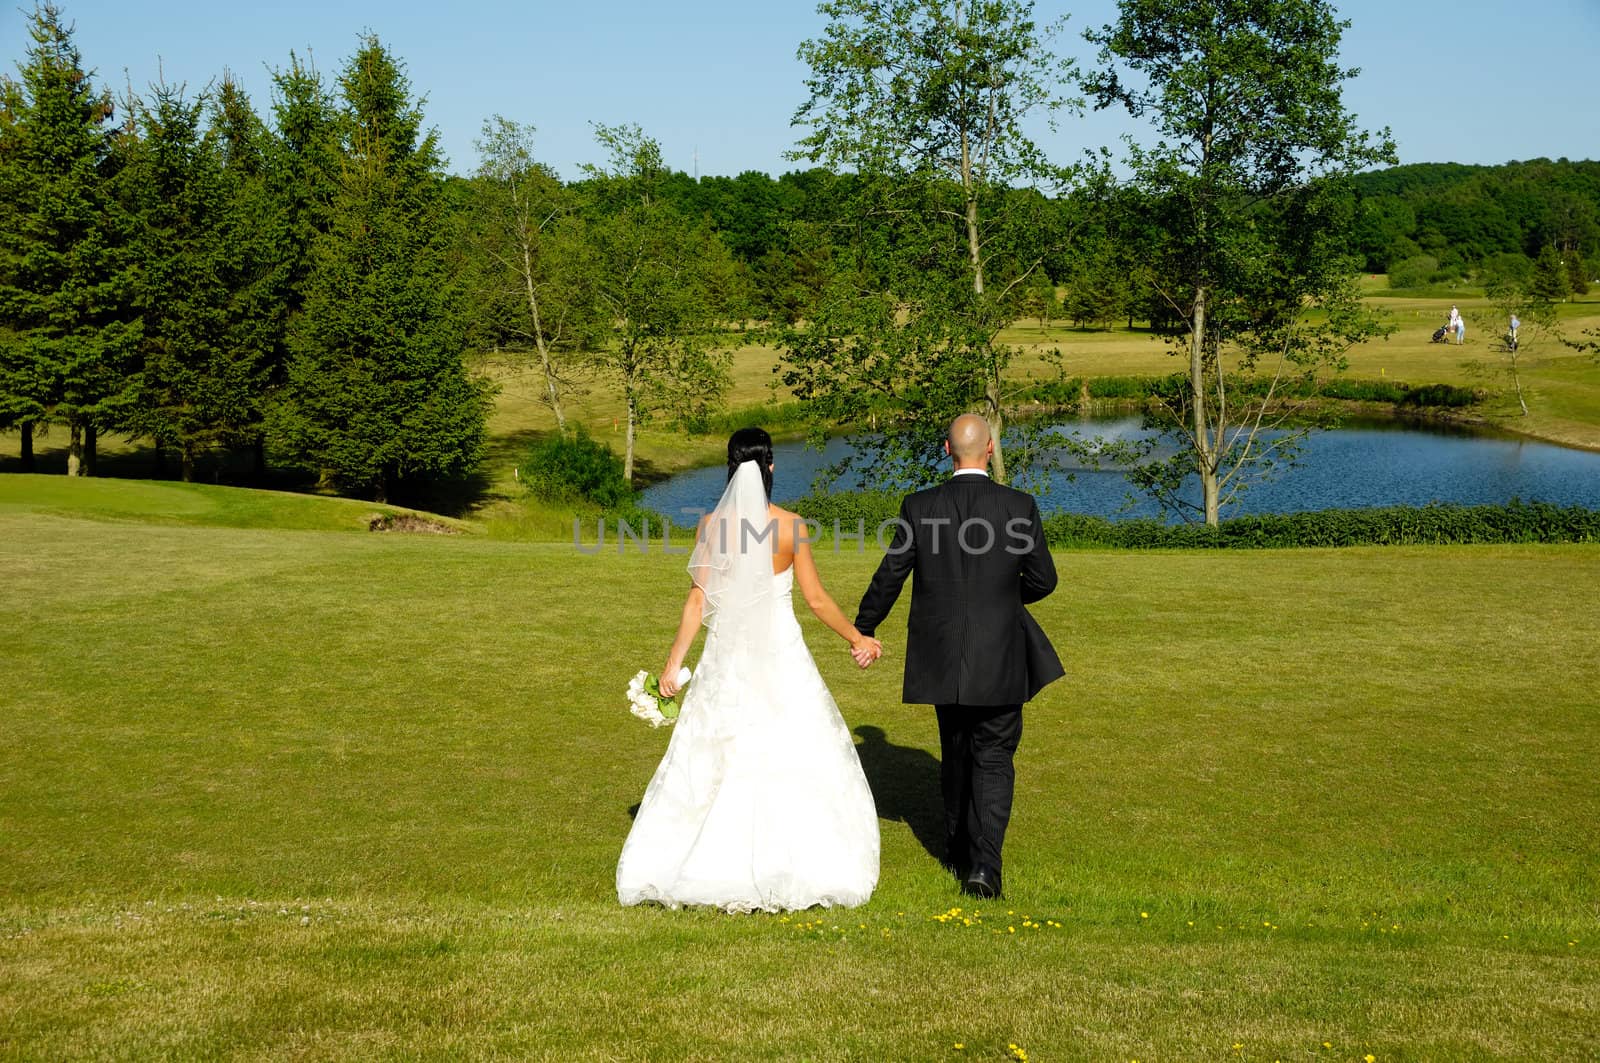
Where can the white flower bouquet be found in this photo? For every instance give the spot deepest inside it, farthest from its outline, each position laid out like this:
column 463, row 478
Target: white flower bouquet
column 646, row 702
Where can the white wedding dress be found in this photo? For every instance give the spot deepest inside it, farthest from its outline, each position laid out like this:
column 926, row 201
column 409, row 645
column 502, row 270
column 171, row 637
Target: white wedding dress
column 759, row 802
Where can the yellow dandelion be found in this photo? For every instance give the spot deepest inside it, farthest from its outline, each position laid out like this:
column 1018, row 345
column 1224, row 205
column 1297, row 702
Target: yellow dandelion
column 1370, row 1058
column 1144, row 915
column 1327, row 1044
column 959, row 1046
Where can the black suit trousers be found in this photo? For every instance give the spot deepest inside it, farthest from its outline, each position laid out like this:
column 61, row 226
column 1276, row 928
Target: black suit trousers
column 977, row 744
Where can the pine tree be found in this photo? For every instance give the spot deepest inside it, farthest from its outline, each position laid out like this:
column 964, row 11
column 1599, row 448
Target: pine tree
column 1550, row 279
column 1577, row 271
column 197, row 384
column 255, row 267
column 66, row 270
column 377, row 389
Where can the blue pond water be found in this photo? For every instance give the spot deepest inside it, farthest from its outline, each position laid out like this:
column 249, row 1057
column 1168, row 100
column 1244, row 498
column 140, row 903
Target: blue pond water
column 1380, row 464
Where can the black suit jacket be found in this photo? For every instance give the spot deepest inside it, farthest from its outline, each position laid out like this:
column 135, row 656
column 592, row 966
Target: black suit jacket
column 979, row 556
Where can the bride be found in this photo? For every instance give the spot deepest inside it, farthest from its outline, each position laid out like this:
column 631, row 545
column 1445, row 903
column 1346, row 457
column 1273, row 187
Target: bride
column 759, row 801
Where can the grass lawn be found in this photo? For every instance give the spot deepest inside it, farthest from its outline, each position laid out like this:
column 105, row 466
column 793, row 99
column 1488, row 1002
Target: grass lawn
column 271, row 792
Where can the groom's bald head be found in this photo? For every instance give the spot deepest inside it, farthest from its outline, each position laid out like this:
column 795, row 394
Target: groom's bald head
column 968, row 441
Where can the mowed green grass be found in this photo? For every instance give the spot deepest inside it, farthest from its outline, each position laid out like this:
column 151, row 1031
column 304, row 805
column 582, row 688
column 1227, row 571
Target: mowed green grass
column 320, row 794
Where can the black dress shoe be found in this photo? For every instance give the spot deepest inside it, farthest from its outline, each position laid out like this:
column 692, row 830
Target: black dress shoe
column 983, row 883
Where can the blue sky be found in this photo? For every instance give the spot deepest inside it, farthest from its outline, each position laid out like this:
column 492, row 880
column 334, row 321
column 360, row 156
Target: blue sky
column 1479, row 81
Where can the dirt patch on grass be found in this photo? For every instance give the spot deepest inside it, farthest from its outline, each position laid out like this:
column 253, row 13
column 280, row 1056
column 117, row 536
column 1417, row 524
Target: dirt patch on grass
column 409, row 522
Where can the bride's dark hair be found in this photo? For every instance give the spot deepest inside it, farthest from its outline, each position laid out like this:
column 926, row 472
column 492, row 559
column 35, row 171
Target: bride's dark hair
column 751, row 444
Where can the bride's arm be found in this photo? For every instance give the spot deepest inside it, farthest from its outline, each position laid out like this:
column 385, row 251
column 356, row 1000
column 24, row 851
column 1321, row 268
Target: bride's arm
column 688, row 627
column 805, row 574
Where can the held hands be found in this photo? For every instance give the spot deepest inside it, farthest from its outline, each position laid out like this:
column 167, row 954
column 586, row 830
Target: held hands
column 866, row 649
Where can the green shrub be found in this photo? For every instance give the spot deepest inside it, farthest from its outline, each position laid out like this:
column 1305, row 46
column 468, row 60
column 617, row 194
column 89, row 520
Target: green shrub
column 1067, row 392
column 1415, row 272
column 1437, row 525
column 576, row 468
column 852, row 509
column 772, row 416
column 1441, row 395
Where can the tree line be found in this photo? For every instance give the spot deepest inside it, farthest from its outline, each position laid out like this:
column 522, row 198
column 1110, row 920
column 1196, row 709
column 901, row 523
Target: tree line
column 303, row 286
column 303, row 283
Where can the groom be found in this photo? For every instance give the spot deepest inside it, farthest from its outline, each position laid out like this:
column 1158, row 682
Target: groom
column 972, row 650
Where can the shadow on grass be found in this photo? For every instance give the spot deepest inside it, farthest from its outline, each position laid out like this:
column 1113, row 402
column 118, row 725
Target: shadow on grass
column 905, row 786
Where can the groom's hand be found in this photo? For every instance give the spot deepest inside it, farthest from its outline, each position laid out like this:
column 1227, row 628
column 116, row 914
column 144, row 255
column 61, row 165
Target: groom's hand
column 866, row 650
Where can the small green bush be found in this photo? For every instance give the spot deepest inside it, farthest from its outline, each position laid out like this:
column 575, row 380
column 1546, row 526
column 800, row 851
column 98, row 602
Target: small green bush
column 773, row 416
column 1436, row 525
column 1415, row 272
column 1069, row 391
column 576, row 468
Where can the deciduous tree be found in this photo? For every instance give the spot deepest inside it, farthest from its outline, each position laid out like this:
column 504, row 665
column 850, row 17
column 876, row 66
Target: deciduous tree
column 1245, row 178
column 930, row 101
column 529, row 243
column 655, row 283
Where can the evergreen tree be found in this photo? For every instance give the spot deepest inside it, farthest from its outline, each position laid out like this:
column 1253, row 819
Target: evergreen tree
column 1577, row 272
column 66, row 270
column 377, row 389
column 198, row 383
column 255, row 267
column 1551, row 281
column 301, row 166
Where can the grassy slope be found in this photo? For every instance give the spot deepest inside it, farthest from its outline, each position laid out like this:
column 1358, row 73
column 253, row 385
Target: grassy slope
column 269, row 792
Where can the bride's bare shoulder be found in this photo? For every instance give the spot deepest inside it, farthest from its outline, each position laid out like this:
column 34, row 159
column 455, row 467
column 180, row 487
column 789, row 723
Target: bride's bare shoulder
column 787, row 522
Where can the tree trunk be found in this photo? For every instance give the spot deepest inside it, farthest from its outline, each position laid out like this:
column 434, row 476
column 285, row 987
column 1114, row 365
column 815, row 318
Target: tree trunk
column 995, row 414
column 627, row 460
column 552, row 390
column 1516, row 379
column 380, row 487
column 259, row 452
column 74, row 447
column 186, row 462
column 27, row 446
column 91, row 450
column 997, row 421
column 1205, row 462
column 160, row 463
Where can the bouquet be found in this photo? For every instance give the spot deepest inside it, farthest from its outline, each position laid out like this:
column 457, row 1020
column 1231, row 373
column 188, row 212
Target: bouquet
column 646, row 701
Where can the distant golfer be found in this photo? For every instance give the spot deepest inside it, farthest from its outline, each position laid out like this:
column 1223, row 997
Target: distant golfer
column 1458, row 325
column 1511, row 337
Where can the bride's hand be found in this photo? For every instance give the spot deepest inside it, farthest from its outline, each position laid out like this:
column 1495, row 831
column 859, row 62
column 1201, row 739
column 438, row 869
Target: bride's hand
column 669, row 679
column 865, row 650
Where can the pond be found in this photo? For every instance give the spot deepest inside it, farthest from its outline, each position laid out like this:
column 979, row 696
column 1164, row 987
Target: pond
column 1357, row 465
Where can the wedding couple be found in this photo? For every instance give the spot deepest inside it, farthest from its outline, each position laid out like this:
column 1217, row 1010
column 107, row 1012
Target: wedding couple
column 760, row 801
